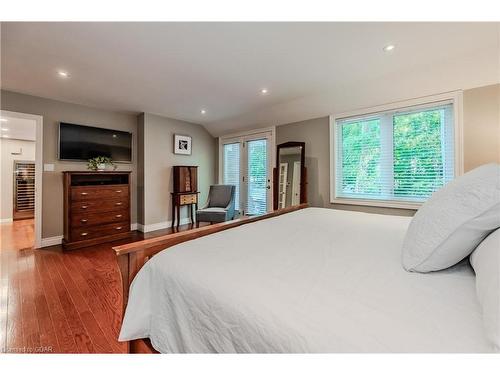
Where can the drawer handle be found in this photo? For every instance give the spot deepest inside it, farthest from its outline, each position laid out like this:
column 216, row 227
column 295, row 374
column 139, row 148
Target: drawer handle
column 84, row 234
column 118, row 191
column 84, row 207
column 118, row 216
column 84, row 193
column 84, row 220
column 118, row 203
column 118, row 228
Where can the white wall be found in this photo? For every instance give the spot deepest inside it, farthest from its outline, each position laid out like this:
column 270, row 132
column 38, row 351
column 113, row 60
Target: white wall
column 7, row 146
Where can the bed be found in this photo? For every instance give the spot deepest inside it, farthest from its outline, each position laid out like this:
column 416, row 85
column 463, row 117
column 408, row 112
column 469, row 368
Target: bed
column 309, row 280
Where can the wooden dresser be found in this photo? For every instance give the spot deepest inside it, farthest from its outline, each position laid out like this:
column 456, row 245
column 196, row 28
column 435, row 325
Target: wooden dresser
column 96, row 208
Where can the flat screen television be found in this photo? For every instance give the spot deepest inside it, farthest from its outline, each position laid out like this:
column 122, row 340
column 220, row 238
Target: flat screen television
column 78, row 142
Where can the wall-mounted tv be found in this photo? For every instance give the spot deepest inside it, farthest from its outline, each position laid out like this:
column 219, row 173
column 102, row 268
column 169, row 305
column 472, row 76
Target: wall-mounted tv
column 78, row 142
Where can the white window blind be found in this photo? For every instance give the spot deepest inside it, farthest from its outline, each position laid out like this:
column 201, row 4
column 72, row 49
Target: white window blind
column 401, row 155
column 257, row 177
column 232, row 169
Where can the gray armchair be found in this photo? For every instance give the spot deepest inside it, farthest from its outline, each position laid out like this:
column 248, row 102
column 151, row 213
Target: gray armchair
column 220, row 205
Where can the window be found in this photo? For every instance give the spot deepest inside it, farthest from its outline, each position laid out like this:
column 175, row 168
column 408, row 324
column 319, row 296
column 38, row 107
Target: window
column 397, row 157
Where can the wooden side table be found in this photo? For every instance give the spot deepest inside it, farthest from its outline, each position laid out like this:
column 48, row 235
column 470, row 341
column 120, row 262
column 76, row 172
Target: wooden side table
column 184, row 199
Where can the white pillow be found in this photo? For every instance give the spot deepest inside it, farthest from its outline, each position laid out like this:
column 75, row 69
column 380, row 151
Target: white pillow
column 486, row 262
column 453, row 221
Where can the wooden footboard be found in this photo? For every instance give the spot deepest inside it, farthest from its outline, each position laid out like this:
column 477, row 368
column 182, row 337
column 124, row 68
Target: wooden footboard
column 131, row 257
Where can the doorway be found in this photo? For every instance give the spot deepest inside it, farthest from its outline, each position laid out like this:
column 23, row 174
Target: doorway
column 246, row 161
column 21, row 176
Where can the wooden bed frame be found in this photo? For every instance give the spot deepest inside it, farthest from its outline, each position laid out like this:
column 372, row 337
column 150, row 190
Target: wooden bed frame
column 131, row 257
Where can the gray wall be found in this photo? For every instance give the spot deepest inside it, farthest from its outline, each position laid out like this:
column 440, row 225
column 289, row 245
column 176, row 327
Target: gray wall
column 159, row 158
column 53, row 112
column 481, row 145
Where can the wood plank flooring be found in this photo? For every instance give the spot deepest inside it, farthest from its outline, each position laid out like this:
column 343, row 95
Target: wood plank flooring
column 55, row 302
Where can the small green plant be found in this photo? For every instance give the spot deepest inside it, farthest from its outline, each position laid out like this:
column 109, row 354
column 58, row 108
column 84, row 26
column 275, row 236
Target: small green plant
column 99, row 163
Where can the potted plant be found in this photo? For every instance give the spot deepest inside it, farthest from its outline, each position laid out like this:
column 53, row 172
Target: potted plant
column 99, row 163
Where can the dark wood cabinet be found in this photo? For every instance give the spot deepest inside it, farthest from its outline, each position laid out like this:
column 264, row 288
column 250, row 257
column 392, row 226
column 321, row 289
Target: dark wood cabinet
column 185, row 178
column 185, row 191
column 96, row 208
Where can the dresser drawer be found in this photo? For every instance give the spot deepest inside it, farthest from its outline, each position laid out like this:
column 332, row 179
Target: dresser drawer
column 83, row 193
column 188, row 199
column 85, row 233
column 104, row 205
column 87, row 219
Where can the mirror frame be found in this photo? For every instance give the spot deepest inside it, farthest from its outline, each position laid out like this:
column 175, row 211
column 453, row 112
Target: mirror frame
column 303, row 172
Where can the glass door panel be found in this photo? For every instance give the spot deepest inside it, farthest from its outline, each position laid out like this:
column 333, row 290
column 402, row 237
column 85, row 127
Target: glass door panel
column 257, row 177
column 232, row 168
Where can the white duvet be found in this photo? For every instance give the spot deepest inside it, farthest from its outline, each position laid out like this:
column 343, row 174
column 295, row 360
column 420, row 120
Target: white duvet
column 315, row 280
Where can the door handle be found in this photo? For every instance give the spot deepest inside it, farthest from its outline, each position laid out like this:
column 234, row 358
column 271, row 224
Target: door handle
column 268, row 187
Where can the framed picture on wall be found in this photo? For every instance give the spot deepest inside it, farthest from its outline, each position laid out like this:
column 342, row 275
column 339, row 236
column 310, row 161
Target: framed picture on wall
column 182, row 144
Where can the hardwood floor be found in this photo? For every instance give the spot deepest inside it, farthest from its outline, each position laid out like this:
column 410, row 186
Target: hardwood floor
column 55, row 302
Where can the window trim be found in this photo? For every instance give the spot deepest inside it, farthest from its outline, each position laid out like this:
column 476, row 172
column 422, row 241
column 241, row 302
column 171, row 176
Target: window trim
column 456, row 97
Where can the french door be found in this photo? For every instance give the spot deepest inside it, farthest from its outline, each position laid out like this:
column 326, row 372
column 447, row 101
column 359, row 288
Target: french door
column 246, row 163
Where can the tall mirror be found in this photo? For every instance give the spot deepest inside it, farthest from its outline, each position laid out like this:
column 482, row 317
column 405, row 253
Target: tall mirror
column 289, row 175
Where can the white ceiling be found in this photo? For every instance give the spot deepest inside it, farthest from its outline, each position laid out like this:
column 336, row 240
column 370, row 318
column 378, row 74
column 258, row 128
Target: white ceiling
column 17, row 128
column 310, row 69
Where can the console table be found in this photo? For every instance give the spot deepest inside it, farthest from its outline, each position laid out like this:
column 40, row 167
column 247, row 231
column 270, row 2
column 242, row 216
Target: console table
column 183, row 199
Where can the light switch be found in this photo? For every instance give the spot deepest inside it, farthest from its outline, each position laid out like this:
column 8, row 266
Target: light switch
column 48, row 167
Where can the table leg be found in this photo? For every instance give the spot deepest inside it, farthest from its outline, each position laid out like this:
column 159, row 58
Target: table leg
column 195, row 211
column 173, row 212
column 178, row 215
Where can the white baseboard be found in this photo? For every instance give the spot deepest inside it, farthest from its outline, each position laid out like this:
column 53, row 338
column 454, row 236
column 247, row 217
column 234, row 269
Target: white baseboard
column 157, row 226
column 57, row 240
column 8, row 220
column 51, row 241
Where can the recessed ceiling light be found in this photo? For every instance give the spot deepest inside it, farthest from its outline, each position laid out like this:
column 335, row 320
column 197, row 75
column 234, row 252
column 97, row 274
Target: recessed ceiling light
column 5, row 129
column 203, row 111
column 3, row 120
column 63, row 74
column 264, row 91
column 389, row 47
